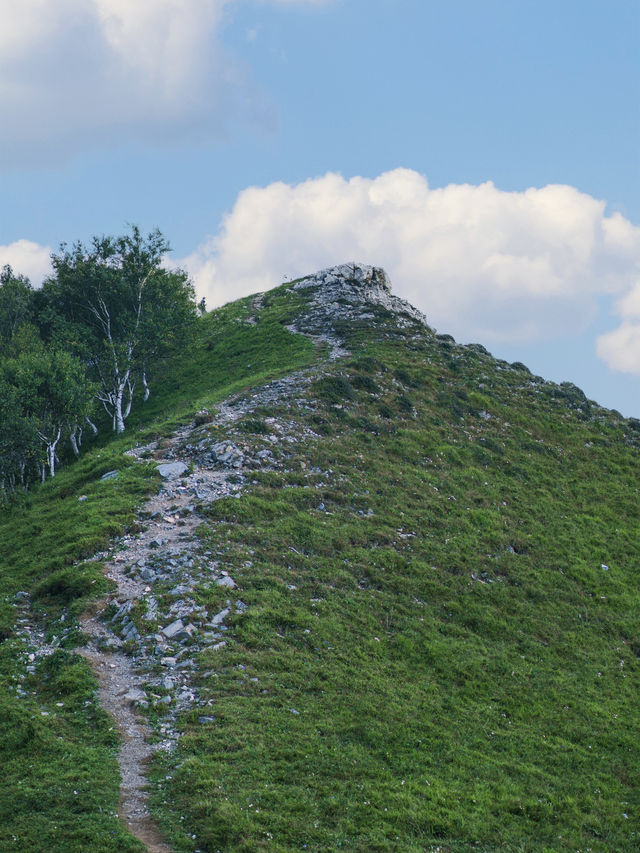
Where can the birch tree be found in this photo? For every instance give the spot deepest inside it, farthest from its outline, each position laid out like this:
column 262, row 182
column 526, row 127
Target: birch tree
column 118, row 308
column 51, row 394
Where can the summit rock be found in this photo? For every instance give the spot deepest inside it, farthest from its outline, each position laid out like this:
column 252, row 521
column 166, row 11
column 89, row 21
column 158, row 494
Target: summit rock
column 351, row 292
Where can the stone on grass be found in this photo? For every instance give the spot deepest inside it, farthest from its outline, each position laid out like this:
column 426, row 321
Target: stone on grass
column 171, row 470
column 219, row 618
column 172, row 630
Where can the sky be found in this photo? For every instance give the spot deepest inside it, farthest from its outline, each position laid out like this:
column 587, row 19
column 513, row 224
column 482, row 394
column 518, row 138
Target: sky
column 487, row 155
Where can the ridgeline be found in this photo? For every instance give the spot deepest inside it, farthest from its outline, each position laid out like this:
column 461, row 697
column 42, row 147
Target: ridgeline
column 345, row 585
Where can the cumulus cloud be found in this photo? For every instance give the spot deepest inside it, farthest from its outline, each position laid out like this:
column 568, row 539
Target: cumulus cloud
column 85, row 72
column 483, row 264
column 27, row 258
column 620, row 348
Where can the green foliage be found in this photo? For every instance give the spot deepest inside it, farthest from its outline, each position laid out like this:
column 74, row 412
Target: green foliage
column 15, row 306
column 59, row 789
column 66, row 585
column 433, row 657
column 59, row 772
column 254, row 425
column 115, row 306
column 334, row 389
column 436, row 659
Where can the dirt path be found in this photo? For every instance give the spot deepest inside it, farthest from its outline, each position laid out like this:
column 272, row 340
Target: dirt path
column 195, row 472
column 115, row 675
column 197, row 468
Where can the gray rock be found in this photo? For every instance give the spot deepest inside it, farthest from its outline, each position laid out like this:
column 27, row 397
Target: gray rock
column 186, row 696
column 226, row 581
column 173, row 629
column 110, row 475
column 210, row 637
column 219, row 618
column 171, row 470
column 227, row 455
column 122, row 611
column 130, row 632
column 135, row 695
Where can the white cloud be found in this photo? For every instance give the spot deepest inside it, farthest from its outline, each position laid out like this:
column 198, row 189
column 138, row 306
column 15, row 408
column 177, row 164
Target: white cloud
column 620, row 348
column 83, row 72
column 483, row 264
column 27, row 258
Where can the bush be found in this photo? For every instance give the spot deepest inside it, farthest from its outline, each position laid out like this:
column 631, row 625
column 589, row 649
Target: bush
column 334, row 389
column 254, row 425
column 365, row 383
column 65, row 585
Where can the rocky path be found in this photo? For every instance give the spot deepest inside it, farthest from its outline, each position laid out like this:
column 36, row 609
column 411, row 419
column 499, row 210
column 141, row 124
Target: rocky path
column 144, row 638
column 143, row 652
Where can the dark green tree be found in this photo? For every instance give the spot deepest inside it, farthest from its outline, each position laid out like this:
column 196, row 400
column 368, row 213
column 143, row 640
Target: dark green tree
column 19, row 442
column 16, row 305
column 119, row 309
column 47, row 392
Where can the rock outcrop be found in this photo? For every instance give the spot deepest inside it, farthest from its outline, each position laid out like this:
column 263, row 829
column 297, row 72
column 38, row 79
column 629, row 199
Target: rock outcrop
column 351, row 292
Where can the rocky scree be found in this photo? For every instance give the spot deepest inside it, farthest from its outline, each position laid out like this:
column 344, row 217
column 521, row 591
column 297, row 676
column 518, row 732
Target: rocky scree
column 349, row 293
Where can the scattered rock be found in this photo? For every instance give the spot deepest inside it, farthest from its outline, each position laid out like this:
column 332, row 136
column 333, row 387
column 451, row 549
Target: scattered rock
column 219, row 618
column 135, row 695
column 110, row 475
column 172, row 470
column 170, row 631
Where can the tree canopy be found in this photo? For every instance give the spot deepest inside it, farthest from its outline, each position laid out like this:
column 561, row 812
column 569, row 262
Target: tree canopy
column 96, row 332
column 120, row 310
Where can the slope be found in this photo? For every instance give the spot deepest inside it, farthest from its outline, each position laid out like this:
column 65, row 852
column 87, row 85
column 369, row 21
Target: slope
column 430, row 639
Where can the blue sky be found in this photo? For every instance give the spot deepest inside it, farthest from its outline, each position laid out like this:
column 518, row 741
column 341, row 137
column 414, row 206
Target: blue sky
column 428, row 137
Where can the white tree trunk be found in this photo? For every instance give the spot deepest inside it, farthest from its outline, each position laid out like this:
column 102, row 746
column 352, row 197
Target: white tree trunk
column 118, row 419
column 51, row 453
column 127, row 410
column 75, row 436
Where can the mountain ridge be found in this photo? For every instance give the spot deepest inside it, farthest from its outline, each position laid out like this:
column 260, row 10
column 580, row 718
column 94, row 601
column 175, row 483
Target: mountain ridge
column 427, row 561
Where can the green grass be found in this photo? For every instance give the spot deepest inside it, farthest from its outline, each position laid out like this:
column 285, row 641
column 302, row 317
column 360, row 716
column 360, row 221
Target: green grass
column 433, row 657
column 60, row 781
column 375, row 696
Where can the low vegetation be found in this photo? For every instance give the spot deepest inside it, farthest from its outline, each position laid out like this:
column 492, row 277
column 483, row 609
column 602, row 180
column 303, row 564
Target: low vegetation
column 440, row 649
column 60, row 782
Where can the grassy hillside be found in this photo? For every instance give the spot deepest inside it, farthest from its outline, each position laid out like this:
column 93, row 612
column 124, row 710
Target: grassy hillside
column 440, row 649
column 59, row 785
